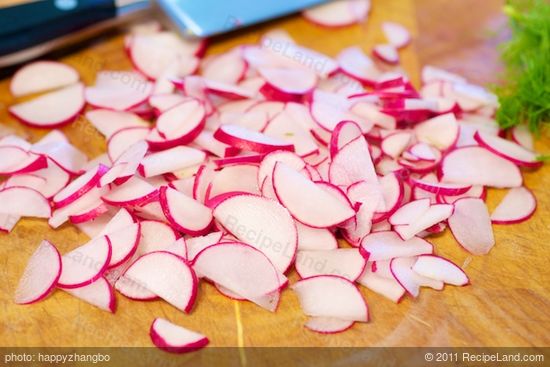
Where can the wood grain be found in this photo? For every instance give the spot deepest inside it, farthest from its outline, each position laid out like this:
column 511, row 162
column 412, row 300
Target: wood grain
column 506, row 305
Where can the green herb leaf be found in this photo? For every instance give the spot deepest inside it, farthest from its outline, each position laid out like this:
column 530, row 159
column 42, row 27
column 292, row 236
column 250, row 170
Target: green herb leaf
column 525, row 96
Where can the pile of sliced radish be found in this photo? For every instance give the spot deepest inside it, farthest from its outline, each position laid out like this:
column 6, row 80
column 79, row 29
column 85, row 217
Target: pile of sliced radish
column 256, row 165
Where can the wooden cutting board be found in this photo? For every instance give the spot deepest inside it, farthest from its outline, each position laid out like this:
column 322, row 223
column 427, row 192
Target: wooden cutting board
column 507, row 303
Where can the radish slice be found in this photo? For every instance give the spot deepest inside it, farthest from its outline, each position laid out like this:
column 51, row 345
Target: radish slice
column 401, row 268
column 409, row 212
column 89, row 214
column 82, row 205
column 347, row 263
column 471, row 226
column 126, row 165
column 441, row 187
column 386, row 245
column 344, row 133
column 168, row 276
column 329, row 109
column 517, row 206
column 196, row 244
column 51, row 110
column 331, row 296
column 24, row 202
column 438, row 268
column 357, row 65
column 240, row 177
column 153, row 53
column 155, row 236
column 478, row 166
column 120, row 220
column 85, row 264
column 99, row 293
column 268, row 164
column 16, row 160
column 184, row 214
column 328, row 325
column 183, row 121
column 435, row 214
column 246, row 139
column 507, row 150
column 352, row 164
column 40, row 276
column 134, row 290
column 240, row 268
column 315, row 238
column 284, row 127
column 63, row 154
column 41, row 76
column 79, row 186
column 124, row 243
column 108, row 122
column 123, row 139
column 228, row 67
column 121, row 97
column 440, row 132
column 389, row 288
column 522, row 136
column 338, row 13
column 133, row 192
column 317, row 208
column 386, row 53
column 263, row 224
column 171, row 160
column 173, row 338
column 289, row 81
column 396, row 34
column 396, row 143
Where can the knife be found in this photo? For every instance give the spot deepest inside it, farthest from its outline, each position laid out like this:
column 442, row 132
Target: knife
column 32, row 29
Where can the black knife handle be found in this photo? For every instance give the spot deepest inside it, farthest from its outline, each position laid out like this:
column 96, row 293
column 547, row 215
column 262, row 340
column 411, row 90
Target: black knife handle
column 30, row 24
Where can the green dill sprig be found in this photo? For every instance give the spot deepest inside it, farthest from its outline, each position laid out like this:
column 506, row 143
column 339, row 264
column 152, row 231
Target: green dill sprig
column 525, row 94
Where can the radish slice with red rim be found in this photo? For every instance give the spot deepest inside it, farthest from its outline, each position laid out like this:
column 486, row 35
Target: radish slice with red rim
column 386, row 53
column 289, row 81
column 134, row 290
column 126, row 165
column 123, row 139
column 79, row 186
column 317, row 208
column 99, row 293
column 133, row 192
column 323, row 295
column 327, row 325
column 24, row 202
column 108, row 122
column 386, row 245
column 440, row 188
column 246, row 139
column 344, row 133
column 315, row 238
column 196, row 244
column 470, row 225
column 439, row 268
column 174, row 338
column 355, row 63
column 120, row 97
column 239, row 268
column 517, row 206
column 166, row 275
column 435, row 214
column 85, row 264
column 155, row 236
column 40, row 275
column 245, row 214
column 440, row 131
column 352, row 164
column 522, row 136
column 396, row 34
column 41, row 76
column 338, row 13
column 184, row 213
column 151, row 54
column 507, row 150
column 347, row 263
column 124, row 243
column 401, row 269
column 170, row 160
column 396, row 143
column 284, row 127
column 51, row 110
column 240, row 177
column 478, row 166
column 389, row 288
